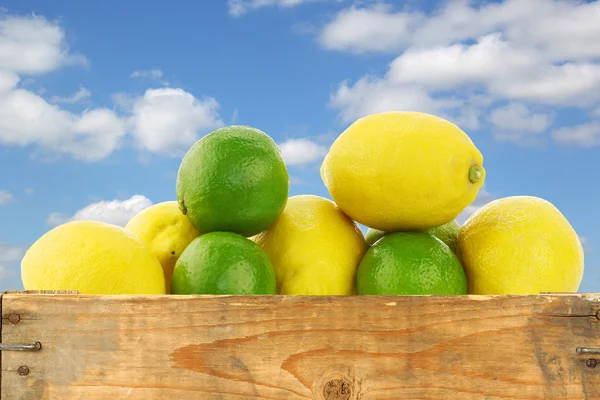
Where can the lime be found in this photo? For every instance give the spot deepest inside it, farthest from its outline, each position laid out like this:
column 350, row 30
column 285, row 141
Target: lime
column 166, row 232
column 373, row 235
column 235, row 180
column 447, row 233
column 410, row 263
column 223, row 263
column 93, row 258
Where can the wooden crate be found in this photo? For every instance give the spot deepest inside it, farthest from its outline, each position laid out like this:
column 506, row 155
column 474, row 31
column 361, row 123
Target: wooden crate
column 283, row 347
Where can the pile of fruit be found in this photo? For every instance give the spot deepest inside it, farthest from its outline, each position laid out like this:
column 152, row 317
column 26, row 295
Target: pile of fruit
column 234, row 229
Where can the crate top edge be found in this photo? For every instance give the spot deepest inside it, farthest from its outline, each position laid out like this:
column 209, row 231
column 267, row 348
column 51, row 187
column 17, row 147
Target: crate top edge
column 593, row 296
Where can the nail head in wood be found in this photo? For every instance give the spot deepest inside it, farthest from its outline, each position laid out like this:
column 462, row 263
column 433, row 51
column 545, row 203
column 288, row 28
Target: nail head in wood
column 591, row 363
column 23, row 370
column 14, row 318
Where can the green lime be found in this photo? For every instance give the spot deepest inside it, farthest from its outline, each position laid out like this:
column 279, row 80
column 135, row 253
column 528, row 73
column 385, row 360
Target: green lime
column 373, row 235
column 223, row 263
column 447, row 233
column 235, row 180
column 410, row 263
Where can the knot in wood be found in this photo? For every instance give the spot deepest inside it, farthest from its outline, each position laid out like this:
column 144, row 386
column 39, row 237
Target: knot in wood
column 337, row 389
column 337, row 382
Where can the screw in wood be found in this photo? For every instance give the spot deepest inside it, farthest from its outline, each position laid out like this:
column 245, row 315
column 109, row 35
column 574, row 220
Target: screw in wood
column 591, row 363
column 598, row 315
column 14, row 318
column 23, row 370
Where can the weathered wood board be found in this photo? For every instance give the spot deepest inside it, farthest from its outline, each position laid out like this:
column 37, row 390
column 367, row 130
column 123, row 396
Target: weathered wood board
column 278, row 347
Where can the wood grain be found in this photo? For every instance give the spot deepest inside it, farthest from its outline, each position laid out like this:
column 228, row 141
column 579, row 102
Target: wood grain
column 278, row 347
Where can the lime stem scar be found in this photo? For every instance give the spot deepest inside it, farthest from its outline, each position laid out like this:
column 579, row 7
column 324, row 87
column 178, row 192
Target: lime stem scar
column 474, row 174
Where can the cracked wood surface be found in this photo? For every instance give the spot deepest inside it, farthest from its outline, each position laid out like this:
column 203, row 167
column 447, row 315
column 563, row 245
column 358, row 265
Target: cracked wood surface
column 280, row 347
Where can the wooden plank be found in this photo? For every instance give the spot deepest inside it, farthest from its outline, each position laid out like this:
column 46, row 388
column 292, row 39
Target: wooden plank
column 42, row 292
column 279, row 347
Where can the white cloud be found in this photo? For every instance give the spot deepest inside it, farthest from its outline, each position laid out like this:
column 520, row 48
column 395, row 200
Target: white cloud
column 584, row 243
column 463, row 49
column 5, row 197
column 238, row 8
column 151, row 74
column 79, row 96
column 502, row 68
column 9, row 255
column 372, row 95
column 516, row 122
column 467, row 118
column 376, row 29
column 5, row 272
column 302, row 151
column 117, row 212
column 147, row 73
column 35, row 45
column 234, row 117
column 568, row 84
column 160, row 120
column 445, row 67
column 97, row 134
column 27, row 119
column 29, row 191
column 584, row 135
column 169, row 120
column 125, row 101
column 56, row 218
column 596, row 112
column 8, row 81
column 483, row 197
column 561, row 28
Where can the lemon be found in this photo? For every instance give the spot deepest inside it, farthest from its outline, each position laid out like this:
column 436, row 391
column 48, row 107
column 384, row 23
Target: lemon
column 520, row 245
column 314, row 247
column 166, row 231
column 403, row 171
column 93, row 258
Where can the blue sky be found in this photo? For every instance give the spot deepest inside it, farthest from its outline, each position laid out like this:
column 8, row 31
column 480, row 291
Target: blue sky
column 99, row 101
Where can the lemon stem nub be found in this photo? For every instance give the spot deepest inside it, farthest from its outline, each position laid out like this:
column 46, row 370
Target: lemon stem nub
column 474, row 174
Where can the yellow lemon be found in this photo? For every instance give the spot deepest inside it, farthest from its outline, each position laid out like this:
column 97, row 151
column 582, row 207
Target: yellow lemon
column 166, row 232
column 403, row 171
column 520, row 245
column 314, row 247
column 93, row 258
